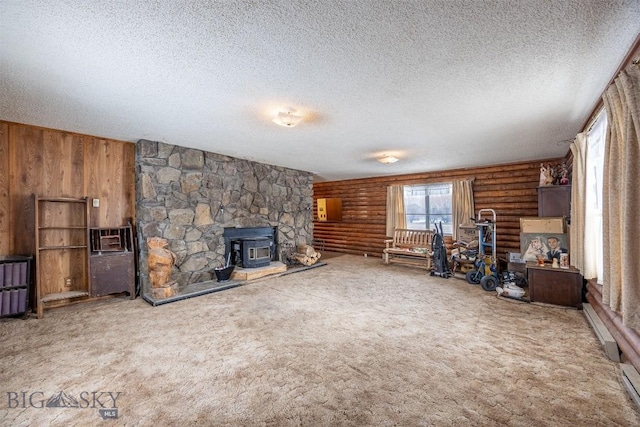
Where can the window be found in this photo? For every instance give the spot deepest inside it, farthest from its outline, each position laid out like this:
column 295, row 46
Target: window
column 593, row 198
column 428, row 204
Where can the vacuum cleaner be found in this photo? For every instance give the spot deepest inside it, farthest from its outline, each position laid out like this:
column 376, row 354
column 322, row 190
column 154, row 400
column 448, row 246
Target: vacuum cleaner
column 440, row 265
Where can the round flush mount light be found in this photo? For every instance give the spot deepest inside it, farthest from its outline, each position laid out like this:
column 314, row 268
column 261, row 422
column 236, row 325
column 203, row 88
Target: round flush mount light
column 287, row 118
column 387, row 159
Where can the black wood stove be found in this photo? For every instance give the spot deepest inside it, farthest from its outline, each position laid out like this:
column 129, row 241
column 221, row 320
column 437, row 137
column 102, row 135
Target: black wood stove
column 250, row 247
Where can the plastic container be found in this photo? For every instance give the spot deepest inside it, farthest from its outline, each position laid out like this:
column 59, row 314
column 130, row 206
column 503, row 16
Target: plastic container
column 223, row 273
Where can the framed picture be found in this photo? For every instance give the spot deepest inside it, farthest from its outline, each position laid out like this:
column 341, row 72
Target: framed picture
column 547, row 245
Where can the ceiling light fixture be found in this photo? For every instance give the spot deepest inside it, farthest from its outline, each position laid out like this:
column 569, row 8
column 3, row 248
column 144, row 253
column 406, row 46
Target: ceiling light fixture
column 387, row 159
column 287, row 118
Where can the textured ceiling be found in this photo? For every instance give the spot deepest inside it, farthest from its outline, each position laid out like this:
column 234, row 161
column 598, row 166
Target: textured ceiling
column 440, row 84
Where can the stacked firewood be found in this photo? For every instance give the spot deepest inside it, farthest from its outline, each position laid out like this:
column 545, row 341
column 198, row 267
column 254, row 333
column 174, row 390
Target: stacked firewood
column 307, row 255
column 160, row 261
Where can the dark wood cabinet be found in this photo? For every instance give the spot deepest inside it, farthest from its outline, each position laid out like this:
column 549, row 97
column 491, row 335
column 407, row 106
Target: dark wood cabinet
column 558, row 286
column 112, row 273
column 112, row 261
column 554, row 200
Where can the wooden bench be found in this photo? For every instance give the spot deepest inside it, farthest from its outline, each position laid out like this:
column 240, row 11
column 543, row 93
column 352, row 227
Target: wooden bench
column 411, row 247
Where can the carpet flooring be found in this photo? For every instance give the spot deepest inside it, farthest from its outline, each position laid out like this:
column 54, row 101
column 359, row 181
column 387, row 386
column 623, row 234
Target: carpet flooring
column 354, row 343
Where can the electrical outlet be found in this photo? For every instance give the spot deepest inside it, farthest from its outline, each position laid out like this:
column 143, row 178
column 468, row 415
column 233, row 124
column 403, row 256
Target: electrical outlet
column 67, row 282
column 96, row 203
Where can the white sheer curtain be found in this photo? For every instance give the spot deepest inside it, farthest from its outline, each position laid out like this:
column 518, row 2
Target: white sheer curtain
column 395, row 209
column 462, row 204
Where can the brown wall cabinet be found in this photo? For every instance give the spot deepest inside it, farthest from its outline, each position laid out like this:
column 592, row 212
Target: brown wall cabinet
column 329, row 209
column 554, row 200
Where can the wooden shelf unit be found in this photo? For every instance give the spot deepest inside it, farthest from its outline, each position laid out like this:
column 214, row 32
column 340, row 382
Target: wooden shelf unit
column 61, row 250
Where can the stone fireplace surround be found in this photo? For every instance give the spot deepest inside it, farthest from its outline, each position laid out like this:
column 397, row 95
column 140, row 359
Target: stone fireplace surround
column 190, row 197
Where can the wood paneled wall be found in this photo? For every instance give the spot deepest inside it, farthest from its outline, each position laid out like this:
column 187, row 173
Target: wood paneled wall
column 53, row 163
column 5, row 247
column 510, row 190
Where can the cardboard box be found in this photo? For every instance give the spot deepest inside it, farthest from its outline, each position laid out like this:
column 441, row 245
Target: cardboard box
column 547, row 225
column 467, row 232
column 519, row 267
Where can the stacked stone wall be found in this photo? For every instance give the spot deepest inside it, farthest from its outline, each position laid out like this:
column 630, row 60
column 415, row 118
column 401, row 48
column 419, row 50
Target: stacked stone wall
column 189, row 196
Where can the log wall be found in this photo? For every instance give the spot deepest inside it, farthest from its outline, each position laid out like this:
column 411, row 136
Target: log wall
column 510, row 190
column 628, row 339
